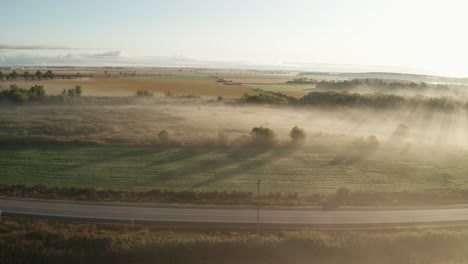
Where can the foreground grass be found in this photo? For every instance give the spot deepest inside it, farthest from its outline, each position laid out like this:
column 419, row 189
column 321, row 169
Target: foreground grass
column 35, row 241
column 234, row 169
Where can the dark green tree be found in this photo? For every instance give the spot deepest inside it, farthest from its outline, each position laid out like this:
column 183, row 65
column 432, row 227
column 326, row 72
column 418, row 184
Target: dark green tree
column 263, row 136
column 49, row 74
column 13, row 75
column 38, row 74
column 297, row 135
column 78, row 90
column 37, row 91
column 26, row 75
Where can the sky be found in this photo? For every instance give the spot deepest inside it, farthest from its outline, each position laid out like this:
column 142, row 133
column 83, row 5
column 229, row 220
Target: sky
column 360, row 35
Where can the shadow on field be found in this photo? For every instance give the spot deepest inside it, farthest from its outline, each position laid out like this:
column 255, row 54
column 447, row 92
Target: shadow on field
column 245, row 164
column 109, row 156
column 199, row 162
column 163, row 165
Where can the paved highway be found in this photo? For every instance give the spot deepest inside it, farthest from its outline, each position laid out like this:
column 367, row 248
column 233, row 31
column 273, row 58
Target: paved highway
column 240, row 216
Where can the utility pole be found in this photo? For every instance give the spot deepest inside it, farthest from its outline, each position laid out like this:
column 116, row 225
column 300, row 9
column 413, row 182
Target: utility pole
column 258, row 207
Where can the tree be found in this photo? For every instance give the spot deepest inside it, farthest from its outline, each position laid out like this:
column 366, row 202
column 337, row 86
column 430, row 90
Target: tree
column 38, row 74
column 16, row 94
column 78, row 90
column 1, row 76
column 263, row 136
column 37, row 91
column 164, row 137
column 297, row 135
column 13, row 75
column 26, row 75
column 49, row 74
column 71, row 93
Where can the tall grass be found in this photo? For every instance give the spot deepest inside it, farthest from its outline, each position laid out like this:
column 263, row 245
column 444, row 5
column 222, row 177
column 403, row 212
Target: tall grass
column 33, row 241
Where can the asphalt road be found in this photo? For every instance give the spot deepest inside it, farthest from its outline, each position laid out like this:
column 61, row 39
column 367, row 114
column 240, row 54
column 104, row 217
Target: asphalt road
column 240, row 216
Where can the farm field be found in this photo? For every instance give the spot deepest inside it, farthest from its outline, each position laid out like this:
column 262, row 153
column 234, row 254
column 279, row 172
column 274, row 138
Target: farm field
column 121, row 82
column 108, row 138
column 281, row 170
column 201, row 86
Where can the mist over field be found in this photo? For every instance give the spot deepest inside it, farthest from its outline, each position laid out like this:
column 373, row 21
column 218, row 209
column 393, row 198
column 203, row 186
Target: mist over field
column 140, row 121
column 247, row 131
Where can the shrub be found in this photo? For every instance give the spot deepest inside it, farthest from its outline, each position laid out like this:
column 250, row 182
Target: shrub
column 144, row 93
column 20, row 95
column 74, row 92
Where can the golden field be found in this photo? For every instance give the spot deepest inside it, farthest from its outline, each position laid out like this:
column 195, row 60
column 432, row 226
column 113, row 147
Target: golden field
column 129, row 86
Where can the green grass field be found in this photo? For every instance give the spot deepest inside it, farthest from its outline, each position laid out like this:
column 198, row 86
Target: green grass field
column 235, row 169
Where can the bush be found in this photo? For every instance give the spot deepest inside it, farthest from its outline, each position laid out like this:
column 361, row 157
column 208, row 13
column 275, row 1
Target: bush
column 20, row 95
column 74, row 92
column 144, row 93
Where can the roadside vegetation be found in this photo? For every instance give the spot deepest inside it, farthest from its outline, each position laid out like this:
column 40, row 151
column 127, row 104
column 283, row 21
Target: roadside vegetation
column 38, row 241
column 343, row 196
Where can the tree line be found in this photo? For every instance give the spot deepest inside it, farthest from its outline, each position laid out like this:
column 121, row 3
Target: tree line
column 34, row 93
column 378, row 85
column 347, row 99
column 38, row 75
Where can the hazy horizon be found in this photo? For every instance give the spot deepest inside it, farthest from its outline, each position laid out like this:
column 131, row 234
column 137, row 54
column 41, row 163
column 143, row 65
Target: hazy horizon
column 418, row 37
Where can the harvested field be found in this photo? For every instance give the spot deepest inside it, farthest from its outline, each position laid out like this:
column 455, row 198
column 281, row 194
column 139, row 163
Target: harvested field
column 129, row 86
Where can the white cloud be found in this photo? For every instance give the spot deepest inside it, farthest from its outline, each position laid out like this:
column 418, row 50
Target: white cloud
column 111, row 54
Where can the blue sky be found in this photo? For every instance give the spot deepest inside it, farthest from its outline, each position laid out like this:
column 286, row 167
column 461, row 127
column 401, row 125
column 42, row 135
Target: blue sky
column 411, row 35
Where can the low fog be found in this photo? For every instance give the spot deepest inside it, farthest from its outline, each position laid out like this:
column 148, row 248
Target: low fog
column 139, row 122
